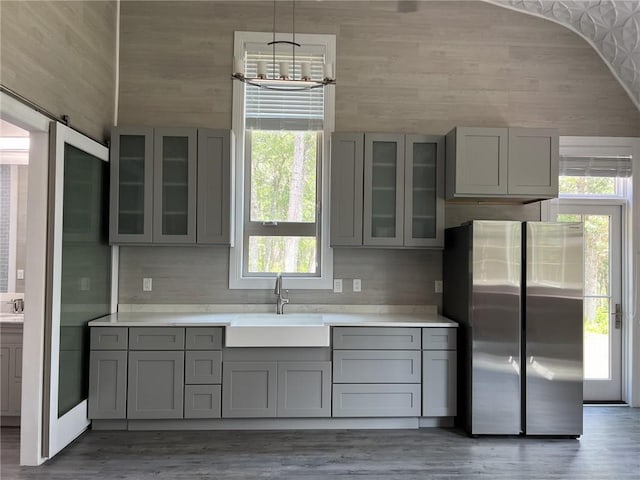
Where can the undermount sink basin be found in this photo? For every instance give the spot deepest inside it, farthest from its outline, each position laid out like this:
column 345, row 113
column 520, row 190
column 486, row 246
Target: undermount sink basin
column 271, row 330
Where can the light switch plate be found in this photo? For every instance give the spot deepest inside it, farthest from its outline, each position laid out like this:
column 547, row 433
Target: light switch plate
column 20, row 274
column 146, row 285
column 438, row 286
column 357, row 285
column 85, row 284
column 337, row 285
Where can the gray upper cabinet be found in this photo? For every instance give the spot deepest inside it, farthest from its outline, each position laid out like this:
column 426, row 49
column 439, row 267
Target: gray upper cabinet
column 533, row 161
column 174, row 185
column 424, row 191
column 131, row 164
column 387, row 190
column 502, row 163
column 214, row 187
column 383, row 189
column 346, row 188
column 170, row 186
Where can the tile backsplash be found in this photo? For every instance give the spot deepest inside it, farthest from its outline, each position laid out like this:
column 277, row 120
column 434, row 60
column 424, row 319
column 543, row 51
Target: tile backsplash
column 200, row 275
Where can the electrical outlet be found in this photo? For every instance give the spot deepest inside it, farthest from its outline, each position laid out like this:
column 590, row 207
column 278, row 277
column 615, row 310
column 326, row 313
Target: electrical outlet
column 438, row 286
column 337, row 285
column 20, row 274
column 146, row 285
column 357, row 285
column 85, row 284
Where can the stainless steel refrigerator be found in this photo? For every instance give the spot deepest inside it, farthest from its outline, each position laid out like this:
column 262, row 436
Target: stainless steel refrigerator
column 516, row 290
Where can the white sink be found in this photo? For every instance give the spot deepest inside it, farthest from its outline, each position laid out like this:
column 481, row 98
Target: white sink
column 271, row 330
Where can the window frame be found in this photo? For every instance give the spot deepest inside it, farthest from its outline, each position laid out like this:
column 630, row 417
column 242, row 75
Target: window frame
column 289, row 229
column 238, row 279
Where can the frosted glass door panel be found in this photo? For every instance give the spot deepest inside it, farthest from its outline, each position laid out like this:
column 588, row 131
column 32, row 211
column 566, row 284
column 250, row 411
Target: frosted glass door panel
column 384, row 183
column 86, row 269
column 385, row 171
column 423, row 191
column 131, row 188
column 175, row 186
column 131, row 185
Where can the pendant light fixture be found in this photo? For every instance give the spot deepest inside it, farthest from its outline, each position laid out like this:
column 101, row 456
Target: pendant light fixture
column 285, row 79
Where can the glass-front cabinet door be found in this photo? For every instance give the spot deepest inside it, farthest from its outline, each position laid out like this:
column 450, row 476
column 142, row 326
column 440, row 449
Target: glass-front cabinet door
column 383, row 189
column 424, row 182
column 131, row 185
column 175, row 185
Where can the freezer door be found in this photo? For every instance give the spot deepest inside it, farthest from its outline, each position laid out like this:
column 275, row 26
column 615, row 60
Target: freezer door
column 495, row 327
column 553, row 329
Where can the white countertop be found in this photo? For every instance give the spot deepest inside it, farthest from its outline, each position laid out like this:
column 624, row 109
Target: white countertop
column 344, row 319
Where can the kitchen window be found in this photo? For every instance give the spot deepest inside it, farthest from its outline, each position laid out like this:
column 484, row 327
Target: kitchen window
column 282, row 173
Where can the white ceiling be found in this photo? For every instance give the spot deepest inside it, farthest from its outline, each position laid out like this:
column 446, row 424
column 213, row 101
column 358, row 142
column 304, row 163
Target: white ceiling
column 612, row 27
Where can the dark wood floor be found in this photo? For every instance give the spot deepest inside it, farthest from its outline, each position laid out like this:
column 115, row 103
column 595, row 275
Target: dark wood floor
column 609, row 449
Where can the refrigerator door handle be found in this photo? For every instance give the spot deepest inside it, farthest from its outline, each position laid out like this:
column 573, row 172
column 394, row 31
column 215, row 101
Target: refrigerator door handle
column 618, row 316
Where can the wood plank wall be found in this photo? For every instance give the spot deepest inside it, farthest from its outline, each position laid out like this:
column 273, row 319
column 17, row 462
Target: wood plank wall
column 448, row 63
column 61, row 55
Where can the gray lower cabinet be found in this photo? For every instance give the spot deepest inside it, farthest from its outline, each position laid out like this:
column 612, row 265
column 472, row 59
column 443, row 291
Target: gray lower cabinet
column 439, row 372
column 249, row 389
column 155, row 384
column 439, row 383
column 10, row 369
column 376, row 400
column 276, row 389
column 202, row 401
column 304, row 389
column 107, row 384
column 376, row 366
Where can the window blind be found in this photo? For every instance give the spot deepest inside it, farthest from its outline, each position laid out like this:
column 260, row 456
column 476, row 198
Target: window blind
column 284, row 110
column 613, row 166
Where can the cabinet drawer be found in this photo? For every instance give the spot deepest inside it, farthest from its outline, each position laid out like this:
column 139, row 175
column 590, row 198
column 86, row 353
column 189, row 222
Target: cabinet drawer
column 375, row 366
column 439, row 338
column 376, row 338
column 109, row 338
column 156, row 338
column 399, row 400
column 203, row 367
column 202, row 401
column 203, row 338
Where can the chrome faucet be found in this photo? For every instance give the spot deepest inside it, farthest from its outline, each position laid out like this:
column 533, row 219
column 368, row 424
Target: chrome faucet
column 282, row 300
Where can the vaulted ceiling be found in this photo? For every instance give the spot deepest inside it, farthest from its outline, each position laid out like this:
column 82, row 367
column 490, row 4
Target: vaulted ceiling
column 612, row 27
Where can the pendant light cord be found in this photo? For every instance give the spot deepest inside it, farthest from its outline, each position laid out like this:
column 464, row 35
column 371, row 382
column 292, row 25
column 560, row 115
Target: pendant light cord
column 273, row 60
column 293, row 47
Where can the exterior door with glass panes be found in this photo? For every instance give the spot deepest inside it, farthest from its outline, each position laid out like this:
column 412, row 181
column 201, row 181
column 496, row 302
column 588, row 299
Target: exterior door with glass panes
column 602, row 296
